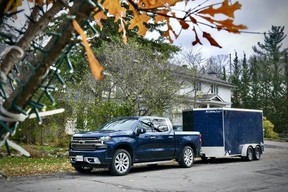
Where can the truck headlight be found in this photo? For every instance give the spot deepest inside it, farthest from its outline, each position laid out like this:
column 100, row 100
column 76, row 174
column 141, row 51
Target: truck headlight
column 105, row 138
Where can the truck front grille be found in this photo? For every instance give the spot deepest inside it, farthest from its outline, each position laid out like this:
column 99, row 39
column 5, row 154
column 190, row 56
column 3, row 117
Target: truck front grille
column 81, row 147
column 86, row 144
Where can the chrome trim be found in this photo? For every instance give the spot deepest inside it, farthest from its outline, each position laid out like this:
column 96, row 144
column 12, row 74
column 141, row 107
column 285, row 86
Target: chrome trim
column 153, row 162
column 90, row 160
column 95, row 160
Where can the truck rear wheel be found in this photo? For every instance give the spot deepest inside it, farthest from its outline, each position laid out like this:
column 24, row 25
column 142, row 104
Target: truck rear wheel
column 83, row 169
column 187, row 157
column 257, row 153
column 121, row 163
column 249, row 154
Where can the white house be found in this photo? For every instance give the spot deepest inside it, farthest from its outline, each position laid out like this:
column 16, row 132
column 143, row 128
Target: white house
column 199, row 91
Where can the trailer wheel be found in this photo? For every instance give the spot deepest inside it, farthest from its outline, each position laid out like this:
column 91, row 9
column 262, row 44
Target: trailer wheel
column 121, row 163
column 257, row 153
column 187, row 157
column 83, row 169
column 249, row 155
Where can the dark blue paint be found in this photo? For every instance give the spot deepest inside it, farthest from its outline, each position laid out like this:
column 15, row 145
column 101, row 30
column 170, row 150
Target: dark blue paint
column 146, row 147
column 231, row 128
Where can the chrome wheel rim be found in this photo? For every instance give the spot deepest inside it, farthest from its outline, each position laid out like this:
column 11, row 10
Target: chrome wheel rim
column 188, row 157
column 122, row 162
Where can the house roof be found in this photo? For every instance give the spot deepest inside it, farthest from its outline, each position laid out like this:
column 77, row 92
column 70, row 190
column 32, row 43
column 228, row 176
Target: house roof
column 213, row 99
column 186, row 73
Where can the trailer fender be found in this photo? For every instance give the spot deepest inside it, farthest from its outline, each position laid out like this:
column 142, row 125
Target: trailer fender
column 245, row 147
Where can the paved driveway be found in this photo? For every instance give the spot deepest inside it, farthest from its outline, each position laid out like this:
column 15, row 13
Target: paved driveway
column 270, row 173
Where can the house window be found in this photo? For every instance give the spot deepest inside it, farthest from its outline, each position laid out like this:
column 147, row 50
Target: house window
column 214, row 89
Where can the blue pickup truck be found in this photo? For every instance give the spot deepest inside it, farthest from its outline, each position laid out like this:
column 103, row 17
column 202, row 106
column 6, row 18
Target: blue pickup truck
column 127, row 141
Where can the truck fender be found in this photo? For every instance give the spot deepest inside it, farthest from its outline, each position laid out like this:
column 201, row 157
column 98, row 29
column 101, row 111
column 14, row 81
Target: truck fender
column 245, row 147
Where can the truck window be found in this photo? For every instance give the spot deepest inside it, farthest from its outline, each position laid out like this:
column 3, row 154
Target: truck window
column 119, row 124
column 146, row 124
column 160, row 125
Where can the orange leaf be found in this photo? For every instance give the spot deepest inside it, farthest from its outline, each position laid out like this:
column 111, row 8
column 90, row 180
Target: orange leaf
column 94, row 64
column 12, row 6
column 114, row 8
column 152, row 4
column 225, row 24
column 98, row 16
column 193, row 20
column 138, row 20
column 161, row 16
column 225, row 9
column 210, row 39
column 122, row 28
column 197, row 40
column 184, row 24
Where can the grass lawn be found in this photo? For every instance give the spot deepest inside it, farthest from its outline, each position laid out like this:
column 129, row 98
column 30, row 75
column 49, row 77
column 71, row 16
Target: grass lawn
column 43, row 160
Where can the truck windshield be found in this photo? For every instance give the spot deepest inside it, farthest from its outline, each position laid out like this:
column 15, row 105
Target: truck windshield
column 119, row 125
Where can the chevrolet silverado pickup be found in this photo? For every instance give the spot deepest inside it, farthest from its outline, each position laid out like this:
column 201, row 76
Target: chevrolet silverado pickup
column 124, row 142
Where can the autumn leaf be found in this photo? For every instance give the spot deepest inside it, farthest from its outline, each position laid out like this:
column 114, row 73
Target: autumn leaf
column 122, row 28
column 115, row 8
column 193, row 20
column 98, row 16
column 161, row 16
column 138, row 20
column 225, row 9
column 183, row 24
column 225, row 24
column 210, row 39
column 94, row 65
column 197, row 40
column 12, row 6
column 152, row 4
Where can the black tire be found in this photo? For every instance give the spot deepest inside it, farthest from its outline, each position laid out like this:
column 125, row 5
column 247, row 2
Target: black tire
column 257, row 153
column 83, row 169
column 203, row 158
column 249, row 154
column 121, row 163
column 187, row 157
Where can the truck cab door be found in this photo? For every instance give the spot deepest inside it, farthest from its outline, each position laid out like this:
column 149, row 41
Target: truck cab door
column 165, row 147
column 145, row 143
column 157, row 143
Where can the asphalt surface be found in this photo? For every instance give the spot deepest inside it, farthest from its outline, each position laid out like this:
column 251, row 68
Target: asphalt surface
column 269, row 174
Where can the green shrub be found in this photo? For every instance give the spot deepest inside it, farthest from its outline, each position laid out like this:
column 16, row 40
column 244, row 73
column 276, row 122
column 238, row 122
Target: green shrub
column 269, row 129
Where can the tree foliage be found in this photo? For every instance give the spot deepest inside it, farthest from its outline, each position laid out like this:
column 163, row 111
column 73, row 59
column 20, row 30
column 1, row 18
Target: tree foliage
column 147, row 88
column 262, row 80
column 269, row 129
column 44, row 39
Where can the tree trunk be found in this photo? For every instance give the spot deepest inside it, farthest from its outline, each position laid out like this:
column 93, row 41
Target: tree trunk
column 21, row 96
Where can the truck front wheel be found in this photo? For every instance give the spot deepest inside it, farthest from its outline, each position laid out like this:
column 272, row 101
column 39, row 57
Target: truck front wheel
column 187, row 157
column 121, row 163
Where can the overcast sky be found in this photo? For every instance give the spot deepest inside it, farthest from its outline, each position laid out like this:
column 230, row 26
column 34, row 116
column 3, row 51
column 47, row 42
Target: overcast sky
column 257, row 15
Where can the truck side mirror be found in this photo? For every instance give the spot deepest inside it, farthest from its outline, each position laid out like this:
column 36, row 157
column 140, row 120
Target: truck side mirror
column 140, row 131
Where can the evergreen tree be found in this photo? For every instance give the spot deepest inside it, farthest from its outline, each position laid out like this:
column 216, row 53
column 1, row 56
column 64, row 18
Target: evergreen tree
column 235, row 79
column 272, row 71
column 285, row 97
column 245, row 84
